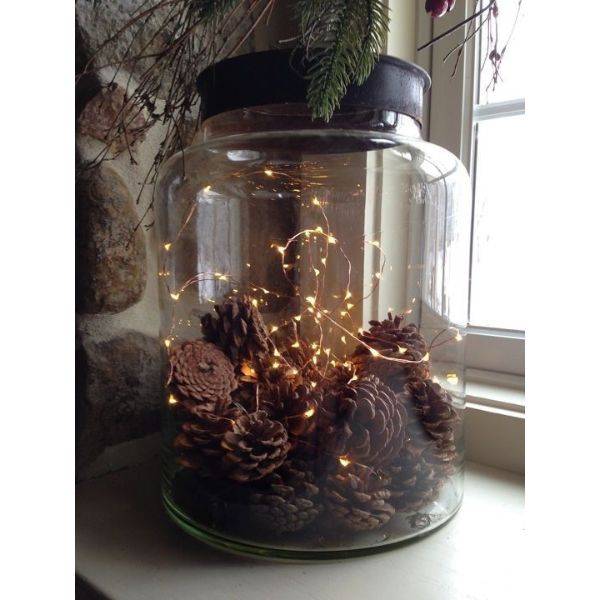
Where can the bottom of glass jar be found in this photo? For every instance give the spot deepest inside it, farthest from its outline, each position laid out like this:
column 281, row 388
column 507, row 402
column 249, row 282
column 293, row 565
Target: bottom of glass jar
column 421, row 524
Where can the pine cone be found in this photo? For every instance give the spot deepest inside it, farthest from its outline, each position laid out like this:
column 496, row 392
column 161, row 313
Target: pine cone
column 433, row 416
column 288, row 499
column 415, row 482
column 254, row 447
column 358, row 498
column 244, row 397
column 301, row 357
column 217, row 502
column 239, row 329
column 391, row 340
column 362, row 420
column 199, row 442
column 272, row 397
column 301, row 410
column 202, row 372
column 292, row 404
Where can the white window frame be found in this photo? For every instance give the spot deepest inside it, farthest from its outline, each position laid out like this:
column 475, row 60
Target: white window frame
column 495, row 358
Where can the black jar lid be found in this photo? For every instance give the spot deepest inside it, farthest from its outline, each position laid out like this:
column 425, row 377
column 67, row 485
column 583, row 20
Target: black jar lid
column 278, row 77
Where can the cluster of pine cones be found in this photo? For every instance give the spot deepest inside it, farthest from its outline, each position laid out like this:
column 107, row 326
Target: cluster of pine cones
column 359, row 444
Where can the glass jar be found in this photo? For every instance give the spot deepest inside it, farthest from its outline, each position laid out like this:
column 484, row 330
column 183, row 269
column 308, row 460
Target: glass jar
column 314, row 281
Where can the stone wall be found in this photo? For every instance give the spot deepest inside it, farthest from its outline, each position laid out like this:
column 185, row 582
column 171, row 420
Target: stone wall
column 118, row 382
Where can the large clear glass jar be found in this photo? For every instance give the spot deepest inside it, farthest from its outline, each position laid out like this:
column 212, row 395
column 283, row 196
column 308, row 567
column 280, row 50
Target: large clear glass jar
column 314, row 281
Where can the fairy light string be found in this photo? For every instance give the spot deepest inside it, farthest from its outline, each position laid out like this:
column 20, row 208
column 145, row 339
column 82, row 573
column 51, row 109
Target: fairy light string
column 314, row 244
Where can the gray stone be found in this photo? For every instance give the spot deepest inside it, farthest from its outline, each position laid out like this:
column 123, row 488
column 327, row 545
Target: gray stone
column 111, row 258
column 119, row 392
column 110, row 116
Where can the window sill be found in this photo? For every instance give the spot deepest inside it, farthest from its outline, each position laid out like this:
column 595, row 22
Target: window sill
column 495, row 420
column 126, row 549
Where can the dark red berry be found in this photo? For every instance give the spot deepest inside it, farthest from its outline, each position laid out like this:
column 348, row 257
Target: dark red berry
column 438, row 8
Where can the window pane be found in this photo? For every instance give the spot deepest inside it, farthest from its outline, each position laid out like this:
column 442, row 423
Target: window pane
column 513, row 67
column 497, row 271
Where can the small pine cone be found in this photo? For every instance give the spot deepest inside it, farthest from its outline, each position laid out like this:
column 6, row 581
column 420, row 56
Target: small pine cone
column 296, row 407
column 301, row 410
column 198, row 445
column 301, row 357
column 239, row 329
column 394, row 374
column 288, row 499
column 273, row 397
column 415, row 482
column 245, row 397
column 388, row 334
column 434, row 413
column 358, row 498
column 201, row 372
column 254, row 447
column 443, row 459
column 363, row 420
column 282, row 401
column 391, row 340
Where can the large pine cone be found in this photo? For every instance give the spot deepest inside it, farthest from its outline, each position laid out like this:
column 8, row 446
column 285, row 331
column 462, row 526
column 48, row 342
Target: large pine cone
column 201, row 372
column 392, row 340
column 433, row 416
column 415, row 482
column 198, row 444
column 288, row 499
column 239, row 329
column 362, row 420
column 358, row 498
column 254, row 447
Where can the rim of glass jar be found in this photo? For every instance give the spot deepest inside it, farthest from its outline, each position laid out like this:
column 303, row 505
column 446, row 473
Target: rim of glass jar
column 290, row 117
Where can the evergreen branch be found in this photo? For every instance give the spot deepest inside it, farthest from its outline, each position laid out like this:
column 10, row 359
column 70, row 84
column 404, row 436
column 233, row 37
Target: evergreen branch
column 374, row 36
column 341, row 40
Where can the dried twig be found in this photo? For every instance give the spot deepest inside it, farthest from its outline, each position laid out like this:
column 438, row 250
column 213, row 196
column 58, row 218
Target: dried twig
column 488, row 20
